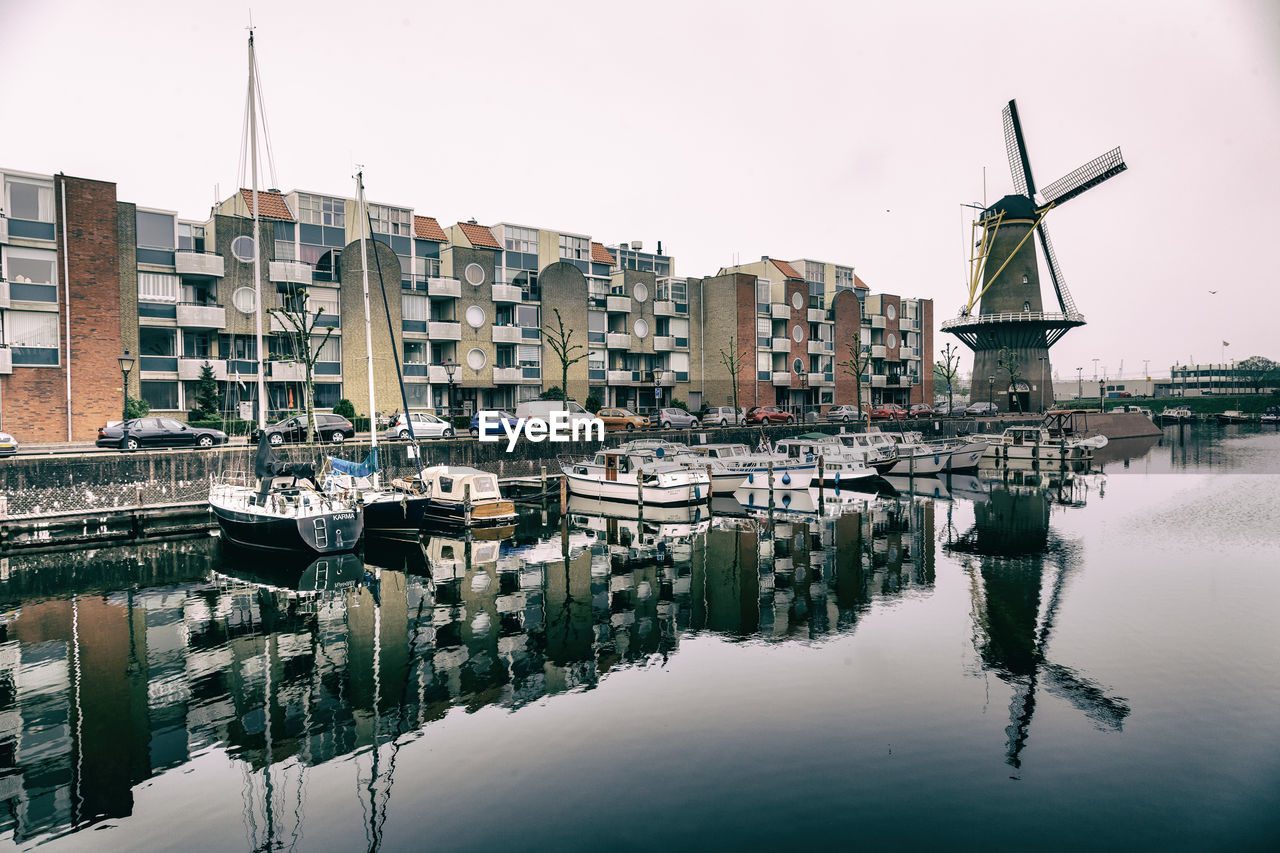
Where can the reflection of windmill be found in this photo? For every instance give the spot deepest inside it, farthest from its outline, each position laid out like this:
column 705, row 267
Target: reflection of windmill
column 1005, row 277
column 1012, row 537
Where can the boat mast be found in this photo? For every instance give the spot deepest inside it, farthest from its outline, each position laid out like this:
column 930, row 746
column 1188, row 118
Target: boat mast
column 368, row 327
column 257, row 252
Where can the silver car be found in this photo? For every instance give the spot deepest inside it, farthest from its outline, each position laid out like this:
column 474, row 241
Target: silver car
column 672, row 419
column 424, row 426
column 844, row 414
column 722, row 416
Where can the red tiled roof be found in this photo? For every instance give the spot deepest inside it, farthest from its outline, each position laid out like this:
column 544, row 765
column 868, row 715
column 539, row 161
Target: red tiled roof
column 479, row 236
column 786, row 268
column 271, row 205
column 859, row 283
column 427, row 228
column 601, row 255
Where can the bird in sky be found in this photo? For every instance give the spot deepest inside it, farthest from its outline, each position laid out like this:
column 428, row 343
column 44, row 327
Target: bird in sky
column 1213, row 291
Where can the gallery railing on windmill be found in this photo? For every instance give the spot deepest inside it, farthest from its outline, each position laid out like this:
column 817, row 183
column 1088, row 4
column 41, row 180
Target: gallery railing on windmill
column 1051, row 324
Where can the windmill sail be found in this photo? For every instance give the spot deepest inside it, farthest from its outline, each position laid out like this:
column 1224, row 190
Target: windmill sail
column 1086, row 177
column 1065, row 302
column 1019, row 163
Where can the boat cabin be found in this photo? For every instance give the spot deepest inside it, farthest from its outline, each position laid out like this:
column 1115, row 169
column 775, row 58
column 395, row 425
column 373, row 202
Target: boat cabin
column 721, row 451
column 451, row 482
column 1019, row 436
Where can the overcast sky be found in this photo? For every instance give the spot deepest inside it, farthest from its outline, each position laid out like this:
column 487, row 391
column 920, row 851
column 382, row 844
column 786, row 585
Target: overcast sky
column 844, row 132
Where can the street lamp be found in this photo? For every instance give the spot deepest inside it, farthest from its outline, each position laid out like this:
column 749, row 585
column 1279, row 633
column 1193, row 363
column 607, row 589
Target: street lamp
column 991, row 390
column 1080, row 383
column 126, row 364
column 450, row 368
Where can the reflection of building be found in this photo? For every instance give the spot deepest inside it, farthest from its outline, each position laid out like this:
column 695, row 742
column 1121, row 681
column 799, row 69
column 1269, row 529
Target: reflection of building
column 101, row 690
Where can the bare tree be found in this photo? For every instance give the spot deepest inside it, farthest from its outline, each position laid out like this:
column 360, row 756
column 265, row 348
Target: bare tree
column 300, row 324
column 560, row 340
column 853, row 366
column 948, row 367
column 1009, row 361
column 733, row 360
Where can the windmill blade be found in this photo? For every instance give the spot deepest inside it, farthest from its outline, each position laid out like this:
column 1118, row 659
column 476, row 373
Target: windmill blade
column 1086, row 177
column 1086, row 695
column 1065, row 301
column 1019, row 164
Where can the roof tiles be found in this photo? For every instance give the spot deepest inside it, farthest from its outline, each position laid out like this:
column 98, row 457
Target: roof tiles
column 480, row 236
column 786, row 269
column 271, row 205
column 427, row 228
column 601, row 255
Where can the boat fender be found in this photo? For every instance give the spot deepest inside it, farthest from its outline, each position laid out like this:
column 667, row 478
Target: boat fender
column 751, row 499
column 786, row 499
column 751, row 478
column 786, row 479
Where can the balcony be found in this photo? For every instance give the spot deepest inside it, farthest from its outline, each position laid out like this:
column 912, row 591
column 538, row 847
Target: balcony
column 507, row 293
column 207, row 264
column 506, row 334
column 444, row 330
column 821, row 347
column 878, row 351
column 663, row 343
column 292, row 272
column 619, row 377
column 908, row 352
column 821, row 380
column 817, row 315
column 506, row 375
column 664, row 308
column 781, row 377
column 157, row 364
column 437, row 375
column 4, row 228
column 190, row 368
column 4, row 290
column 905, row 380
column 877, row 321
column 450, row 287
column 195, row 316
column 780, row 311
column 6, row 357
column 617, row 340
column 618, row 304
column 878, row 380
column 780, row 345
column 287, row 371
column 667, row 378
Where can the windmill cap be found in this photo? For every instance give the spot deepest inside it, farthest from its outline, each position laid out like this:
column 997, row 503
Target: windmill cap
column 1014, row 206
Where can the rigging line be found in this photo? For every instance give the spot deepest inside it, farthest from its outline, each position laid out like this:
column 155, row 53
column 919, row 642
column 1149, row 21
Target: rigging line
column 244, row 142
column 266, row 127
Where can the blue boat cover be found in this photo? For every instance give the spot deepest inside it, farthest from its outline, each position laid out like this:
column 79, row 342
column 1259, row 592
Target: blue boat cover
column 367, row 468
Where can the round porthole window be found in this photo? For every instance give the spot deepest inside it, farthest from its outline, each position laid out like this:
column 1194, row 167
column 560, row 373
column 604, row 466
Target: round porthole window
column 243, row 299
column 242, row 249
column 797, row 366
column 797, row 332
column 641, row 291
column 475, row 359
column 891, row 341
column 641, row 329
column 475, row 316
column 890, row 311
column 797, row 301
column 474, row 274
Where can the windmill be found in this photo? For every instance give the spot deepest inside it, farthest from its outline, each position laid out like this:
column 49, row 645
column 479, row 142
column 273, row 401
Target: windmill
column 1004, row 278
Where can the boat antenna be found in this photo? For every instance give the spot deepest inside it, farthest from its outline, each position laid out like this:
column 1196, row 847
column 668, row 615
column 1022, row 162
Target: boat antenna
column 368, row 327
column 257, row 246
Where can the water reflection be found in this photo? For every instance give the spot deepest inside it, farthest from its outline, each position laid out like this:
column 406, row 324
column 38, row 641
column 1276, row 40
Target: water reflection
column 120, row 665
column 1008, row 553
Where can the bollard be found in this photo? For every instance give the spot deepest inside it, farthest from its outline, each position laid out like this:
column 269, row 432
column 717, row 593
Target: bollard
column 544, row 478
column 564, row 491
column 710, row 485
column 770, row 481
column 822, row 476
column 138, row 496
column 640, row 493
column 466, row 504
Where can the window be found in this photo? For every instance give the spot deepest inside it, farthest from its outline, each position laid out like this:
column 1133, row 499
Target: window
column 157, row 287
column 328, row 394
column 890, row 312
column 190, row 237
column 762, row 296
column 574, row 248
column 158, row 342
column 238, row 347
column 26, row 199
column 523, row 240
column 527, row 316
column 32, row 274
column 155, row 230
column 389, row 220
column 323, row 299
column 815, row 273
column 414, row 307
column 321, row 210
column 764, row 331
column 161, row 396
column 33, row 337
column 197, row 345
column 844, row 278
column 330, row 351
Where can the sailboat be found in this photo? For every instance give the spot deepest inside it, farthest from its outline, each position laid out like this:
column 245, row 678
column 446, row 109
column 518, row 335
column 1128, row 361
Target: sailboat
column 281, row 507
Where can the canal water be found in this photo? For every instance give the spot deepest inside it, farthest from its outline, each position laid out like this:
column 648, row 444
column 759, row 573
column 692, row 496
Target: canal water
column 1020, row 659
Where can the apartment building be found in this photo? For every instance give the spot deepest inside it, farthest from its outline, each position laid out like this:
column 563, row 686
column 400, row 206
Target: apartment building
column 467, row 310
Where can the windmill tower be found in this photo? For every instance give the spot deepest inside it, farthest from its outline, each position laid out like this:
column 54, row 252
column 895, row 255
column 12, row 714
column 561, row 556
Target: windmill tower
column 1004, row 281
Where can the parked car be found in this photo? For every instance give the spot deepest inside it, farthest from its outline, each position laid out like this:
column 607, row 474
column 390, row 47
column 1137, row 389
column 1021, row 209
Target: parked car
column 981, row 409
column 334, row 428
column 723, row 416
column 769, row 415
column 921, row 410
column 157, row 432
column 497, row 418
column 546, row 410
column 844, row 414
column 944, row 410
column 888, row 411
column 8, row 444
column 673, row 418
column 617, row 418
column 424, row 426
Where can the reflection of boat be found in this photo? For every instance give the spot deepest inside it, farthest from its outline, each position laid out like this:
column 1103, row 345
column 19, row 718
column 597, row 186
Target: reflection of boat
column 686, row 513
column 930, row 487
column 642, row 541
column 969, row 488
column 294, row 571
column 629, row 476
column 451, row 558
column 756, row 501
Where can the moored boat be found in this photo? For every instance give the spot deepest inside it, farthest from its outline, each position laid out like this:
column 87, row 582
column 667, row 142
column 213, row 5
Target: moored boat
column 459, row 495
column 1037, row 445
column 759, row 469
column 724, row 480
column 1175, row 415
column 835, row 464
column 1233, row 416
column 634, row 476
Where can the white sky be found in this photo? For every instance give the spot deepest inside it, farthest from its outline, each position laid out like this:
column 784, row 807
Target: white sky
column 845, row 132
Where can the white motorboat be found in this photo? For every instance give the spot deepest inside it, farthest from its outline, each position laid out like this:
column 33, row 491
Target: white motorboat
column 760, row 469
column 1036, row 444
column 459, row 495
column 1175, row 415
column 724, row 480
column 876, row 449
column 965, row 452
column 916, row 458
column 835, row 464
column 636, row 476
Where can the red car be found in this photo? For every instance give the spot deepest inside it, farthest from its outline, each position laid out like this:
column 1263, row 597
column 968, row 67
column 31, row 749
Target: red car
column 769, row 415
column 921, row 410
column 888, row 411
